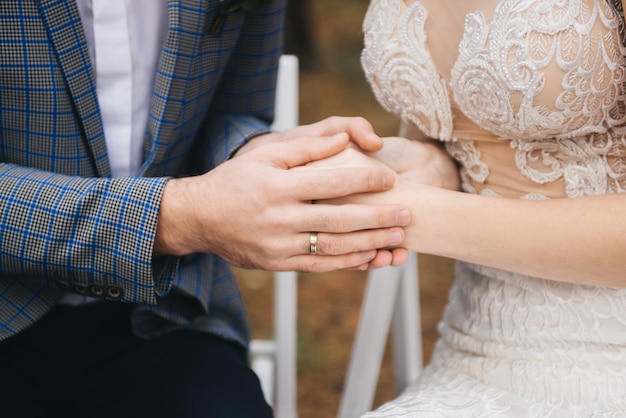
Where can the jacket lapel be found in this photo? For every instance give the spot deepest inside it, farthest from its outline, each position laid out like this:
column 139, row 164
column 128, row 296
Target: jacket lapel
column 68, row 41
column 188, row 72
column 169, row 87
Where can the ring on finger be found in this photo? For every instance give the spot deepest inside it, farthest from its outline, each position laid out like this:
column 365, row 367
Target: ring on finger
column 313, row 243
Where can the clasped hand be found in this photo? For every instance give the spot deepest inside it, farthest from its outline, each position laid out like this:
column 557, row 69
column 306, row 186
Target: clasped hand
column 255, row 210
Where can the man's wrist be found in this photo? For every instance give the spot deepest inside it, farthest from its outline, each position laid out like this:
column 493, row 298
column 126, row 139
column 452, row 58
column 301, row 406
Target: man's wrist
column 176, row 233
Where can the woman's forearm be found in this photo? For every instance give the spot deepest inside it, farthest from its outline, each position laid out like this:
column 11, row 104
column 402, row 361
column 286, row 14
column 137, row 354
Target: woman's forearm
column 580, row 240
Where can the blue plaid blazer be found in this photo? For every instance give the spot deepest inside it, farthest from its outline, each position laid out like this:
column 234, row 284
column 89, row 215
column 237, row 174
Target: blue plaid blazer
column 65, row 223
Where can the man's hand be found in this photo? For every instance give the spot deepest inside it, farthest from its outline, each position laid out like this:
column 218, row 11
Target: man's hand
column 255, row 212
column 358, row 129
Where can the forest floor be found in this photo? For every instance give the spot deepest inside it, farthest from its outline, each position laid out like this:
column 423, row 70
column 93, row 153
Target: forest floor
column 332, row 83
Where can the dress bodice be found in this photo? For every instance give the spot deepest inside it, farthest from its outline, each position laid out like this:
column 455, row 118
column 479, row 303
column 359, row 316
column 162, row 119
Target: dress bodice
column 534, row 103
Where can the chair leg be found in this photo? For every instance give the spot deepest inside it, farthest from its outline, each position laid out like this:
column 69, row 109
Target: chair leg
column 407, row 338
column 286, row 337
column 391, row 295
column 369, row 345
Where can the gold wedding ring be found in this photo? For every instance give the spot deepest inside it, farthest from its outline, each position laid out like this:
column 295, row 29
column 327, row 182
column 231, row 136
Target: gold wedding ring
column 313, row 243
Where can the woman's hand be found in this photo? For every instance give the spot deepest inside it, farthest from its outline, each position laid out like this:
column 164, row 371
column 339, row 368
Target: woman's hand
column 415, row 162
column 420, row 162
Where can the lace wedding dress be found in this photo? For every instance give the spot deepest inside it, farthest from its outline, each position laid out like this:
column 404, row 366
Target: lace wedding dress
column 530, row 99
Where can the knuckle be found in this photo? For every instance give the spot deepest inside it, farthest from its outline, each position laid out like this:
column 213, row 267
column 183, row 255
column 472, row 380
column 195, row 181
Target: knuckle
column 301, row 266
column 312, row 266
column 273, row 188
column 331, row 246
column 317, row 266
column 273, row 222
column 324, row 222
column 373, row 181
column 271, row 249
column 382, row 218
column 360, row 120
column 310, row 184
column 338, row 223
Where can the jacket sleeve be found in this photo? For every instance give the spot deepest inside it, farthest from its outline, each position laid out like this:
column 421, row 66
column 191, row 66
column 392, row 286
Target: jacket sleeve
column 243, row 104
column 95, row 235
column 91, row 234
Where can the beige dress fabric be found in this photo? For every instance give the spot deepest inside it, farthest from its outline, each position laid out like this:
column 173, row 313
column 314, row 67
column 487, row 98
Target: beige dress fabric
column 529, row 97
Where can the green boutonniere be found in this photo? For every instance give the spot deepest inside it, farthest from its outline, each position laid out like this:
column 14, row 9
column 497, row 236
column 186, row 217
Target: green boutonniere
column 229, row 6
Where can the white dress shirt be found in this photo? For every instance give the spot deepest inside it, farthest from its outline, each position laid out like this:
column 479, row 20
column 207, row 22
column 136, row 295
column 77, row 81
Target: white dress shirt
column 124, row 38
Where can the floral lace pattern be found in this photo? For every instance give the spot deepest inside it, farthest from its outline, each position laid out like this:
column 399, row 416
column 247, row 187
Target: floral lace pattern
column 588, row 165
column 511, row 55
column 413, row 89
column 500, row 73
column 546, row 81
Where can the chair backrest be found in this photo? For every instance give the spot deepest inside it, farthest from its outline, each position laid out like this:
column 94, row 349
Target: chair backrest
column 274, row 361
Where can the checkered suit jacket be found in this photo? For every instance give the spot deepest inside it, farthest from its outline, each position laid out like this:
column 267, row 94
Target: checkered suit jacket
column 65, row 224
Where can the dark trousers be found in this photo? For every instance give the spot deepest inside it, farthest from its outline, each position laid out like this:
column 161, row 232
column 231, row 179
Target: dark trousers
column 83, row 362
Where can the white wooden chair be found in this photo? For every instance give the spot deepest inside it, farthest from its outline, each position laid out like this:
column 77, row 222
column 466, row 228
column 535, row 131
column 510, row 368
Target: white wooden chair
column 274, row 360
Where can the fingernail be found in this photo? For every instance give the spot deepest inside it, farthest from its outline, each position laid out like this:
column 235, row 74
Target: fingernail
column 388, row 179
column 395, row 237
column 403, row 217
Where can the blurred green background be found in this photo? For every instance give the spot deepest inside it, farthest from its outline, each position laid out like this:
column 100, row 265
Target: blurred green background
column 326, row 35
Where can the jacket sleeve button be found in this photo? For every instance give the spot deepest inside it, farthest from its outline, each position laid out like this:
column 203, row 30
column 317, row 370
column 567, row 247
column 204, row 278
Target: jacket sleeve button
column 81, row 289
column 96, row 290
column 114, row 292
